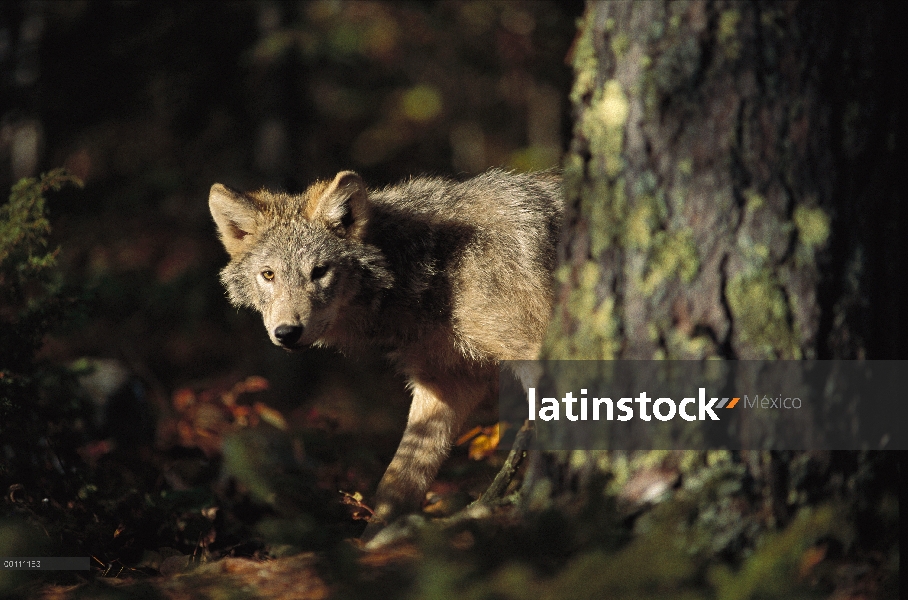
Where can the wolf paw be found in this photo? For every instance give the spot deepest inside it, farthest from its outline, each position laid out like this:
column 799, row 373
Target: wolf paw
column 379, row 534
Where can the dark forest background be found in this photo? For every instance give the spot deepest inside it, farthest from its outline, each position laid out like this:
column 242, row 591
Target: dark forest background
column 151, row 103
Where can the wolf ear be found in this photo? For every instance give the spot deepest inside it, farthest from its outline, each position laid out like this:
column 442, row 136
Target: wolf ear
column 235, row 216
column 343, row 206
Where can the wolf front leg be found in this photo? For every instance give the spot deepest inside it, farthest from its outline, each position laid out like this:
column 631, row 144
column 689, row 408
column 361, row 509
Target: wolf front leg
column 438, row 411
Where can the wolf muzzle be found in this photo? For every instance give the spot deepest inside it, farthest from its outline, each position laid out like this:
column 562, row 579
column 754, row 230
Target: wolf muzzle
column 288, row 335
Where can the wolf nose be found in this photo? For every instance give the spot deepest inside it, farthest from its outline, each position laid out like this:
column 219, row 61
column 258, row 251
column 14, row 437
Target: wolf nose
column 288, row 335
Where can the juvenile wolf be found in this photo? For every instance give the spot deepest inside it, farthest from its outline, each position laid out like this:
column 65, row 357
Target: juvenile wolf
column 446, row 278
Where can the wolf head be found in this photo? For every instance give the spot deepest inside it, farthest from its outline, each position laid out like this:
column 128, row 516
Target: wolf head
column 299, row 260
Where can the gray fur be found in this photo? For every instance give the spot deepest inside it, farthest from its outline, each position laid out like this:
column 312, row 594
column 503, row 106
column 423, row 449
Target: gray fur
column 446, row 278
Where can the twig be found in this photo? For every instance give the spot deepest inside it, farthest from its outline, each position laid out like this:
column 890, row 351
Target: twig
column 515, row 457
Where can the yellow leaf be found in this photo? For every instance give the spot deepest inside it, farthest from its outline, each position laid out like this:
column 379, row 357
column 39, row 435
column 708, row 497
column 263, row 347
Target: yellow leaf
column 270, row 416
column 485, row 444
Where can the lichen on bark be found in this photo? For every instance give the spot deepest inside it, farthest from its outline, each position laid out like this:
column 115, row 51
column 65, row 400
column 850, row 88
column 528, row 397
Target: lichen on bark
column 689, row 184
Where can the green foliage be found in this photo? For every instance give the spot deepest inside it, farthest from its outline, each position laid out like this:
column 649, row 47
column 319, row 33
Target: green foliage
column 709, row 537
column 31, row 299
column 773, row 570
column 39, row 408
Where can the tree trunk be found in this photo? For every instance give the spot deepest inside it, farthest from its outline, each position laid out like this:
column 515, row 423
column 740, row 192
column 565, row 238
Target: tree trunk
column 729, row 192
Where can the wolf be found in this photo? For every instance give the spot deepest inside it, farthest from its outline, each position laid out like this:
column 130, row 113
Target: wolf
column 445, row 278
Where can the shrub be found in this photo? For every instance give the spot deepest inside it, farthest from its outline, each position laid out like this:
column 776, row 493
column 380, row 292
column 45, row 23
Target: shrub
column 35, row 397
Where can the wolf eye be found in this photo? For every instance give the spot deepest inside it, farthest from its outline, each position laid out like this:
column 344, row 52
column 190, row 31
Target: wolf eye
column 318, row 272
column 268, row 274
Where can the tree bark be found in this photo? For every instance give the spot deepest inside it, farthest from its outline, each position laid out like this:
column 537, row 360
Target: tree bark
column 730, row 191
